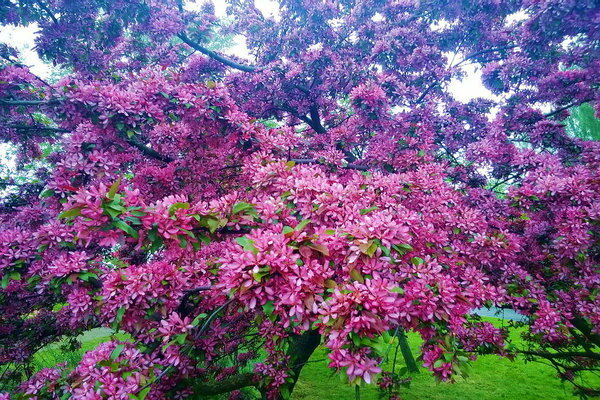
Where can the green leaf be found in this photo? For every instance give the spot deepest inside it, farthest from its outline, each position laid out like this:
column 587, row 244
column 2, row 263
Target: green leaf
column 143, row 393
column 198, row 318
column 213, row 224
column 118, row 317
column 365, row 211
column 117, row 351
column 10, row 276
column 86, row 276
column 113, row 189
column 65, row 396
column 182, row 242
column 177, row 206
column 287, row 230
column 247, row 244
column 241, row 206
column 112, row 212
column 259, row 275
column 402, row 248
column 128, row 229
column 134, row 220
column 152, row 234
column 268, row 307
column 357, row 276
column 371, row 249
column 329, row 232
column 47, row 193
column 417, row 260
column 385, row 250
column 73, row 212
column 302, row 224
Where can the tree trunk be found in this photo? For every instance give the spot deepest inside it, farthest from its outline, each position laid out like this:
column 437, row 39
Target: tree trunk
column 300, row 350
column 409, row 360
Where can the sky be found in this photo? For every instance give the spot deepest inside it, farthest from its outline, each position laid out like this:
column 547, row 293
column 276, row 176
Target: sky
column 23, row 39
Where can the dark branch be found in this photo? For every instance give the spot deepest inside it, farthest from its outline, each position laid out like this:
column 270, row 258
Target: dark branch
column 38, row 128
column 566, row 354
column 316, row 120
column 16, row 103
column 188, row 293
column 47, row 10
column 226, row 385
column 216, row 56
column 558, row 111
column 422, row 96
column 315, row 161
column 147, row 150
column 478, row 53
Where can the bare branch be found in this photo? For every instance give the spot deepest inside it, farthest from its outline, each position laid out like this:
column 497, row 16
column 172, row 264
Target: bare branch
column 216, row 56
column 315, row 161
column 16, row 103
column 566, row 354
column 478, row 53
column 316, row 120
column 227, row 384
column 422, row 96
column 573, row 104
column 147, row 150
column 47, row 10
column 38, row 128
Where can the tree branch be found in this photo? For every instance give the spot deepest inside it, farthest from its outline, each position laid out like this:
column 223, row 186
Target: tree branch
column 566, row 354
column 47, row 10
column 182, row 308
column 146, row 150
column 478, row 53
column 315, row 161
column 316, row 120
column 216, row 56
column 422, row 96
column 39, row 128
column 226, row 385
column 575, row 103
column 16, row 103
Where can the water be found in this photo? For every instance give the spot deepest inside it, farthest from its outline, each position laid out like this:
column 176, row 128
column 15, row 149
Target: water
column 502, row 313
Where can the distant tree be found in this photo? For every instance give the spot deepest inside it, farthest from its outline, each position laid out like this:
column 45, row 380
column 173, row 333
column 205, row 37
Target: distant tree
column 582, row 123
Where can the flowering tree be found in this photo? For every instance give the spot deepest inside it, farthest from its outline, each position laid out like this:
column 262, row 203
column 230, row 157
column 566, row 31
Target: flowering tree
column 230, row 217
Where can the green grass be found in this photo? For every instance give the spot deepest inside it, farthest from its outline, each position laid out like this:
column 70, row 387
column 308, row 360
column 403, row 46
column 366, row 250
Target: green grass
column 491, row 377
column 54, row 354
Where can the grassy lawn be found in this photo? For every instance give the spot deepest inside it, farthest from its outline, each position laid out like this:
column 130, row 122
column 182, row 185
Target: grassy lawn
column 491, row 377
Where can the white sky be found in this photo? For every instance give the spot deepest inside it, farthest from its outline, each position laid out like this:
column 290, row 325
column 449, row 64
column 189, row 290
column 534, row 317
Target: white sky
column 22, row 38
